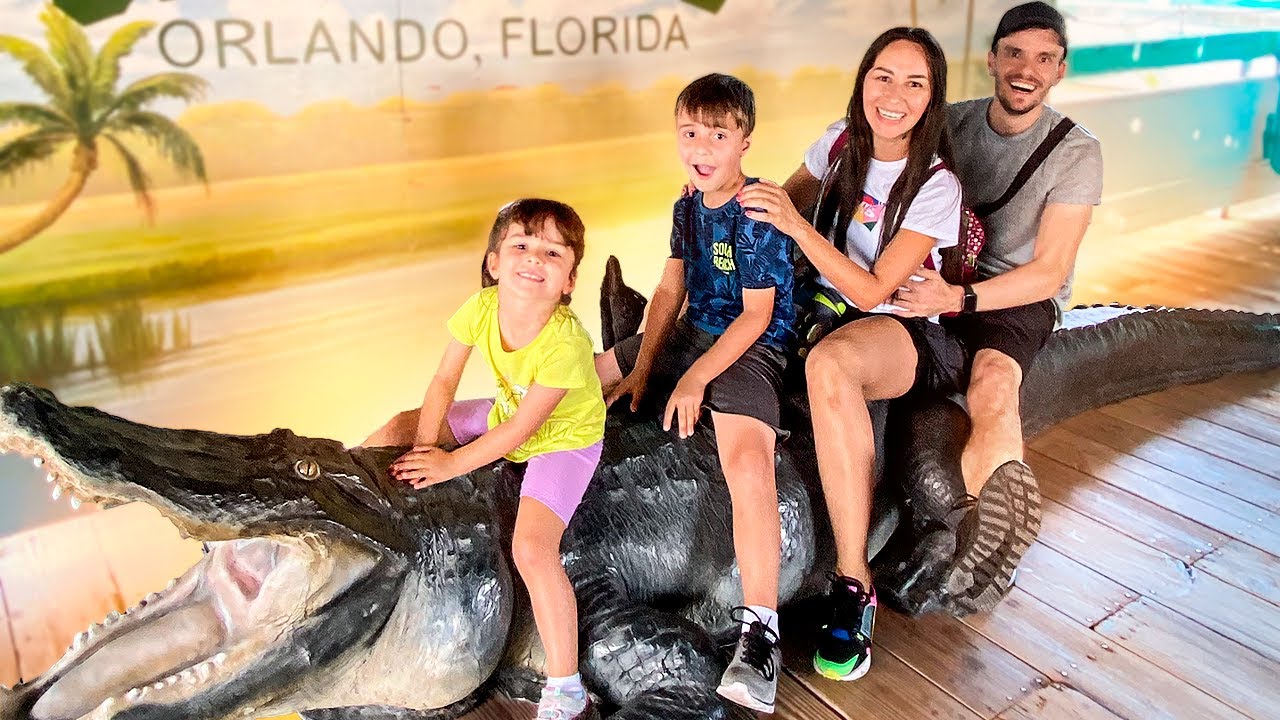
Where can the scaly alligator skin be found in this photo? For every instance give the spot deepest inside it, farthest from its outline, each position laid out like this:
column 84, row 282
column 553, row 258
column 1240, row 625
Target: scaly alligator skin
column 334, row 591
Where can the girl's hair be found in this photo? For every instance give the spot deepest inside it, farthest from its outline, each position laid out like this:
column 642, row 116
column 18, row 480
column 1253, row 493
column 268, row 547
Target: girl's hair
column 533, row 214
column 929, row 138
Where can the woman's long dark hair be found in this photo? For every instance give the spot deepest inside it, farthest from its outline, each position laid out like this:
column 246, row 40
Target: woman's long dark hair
column 929, row 138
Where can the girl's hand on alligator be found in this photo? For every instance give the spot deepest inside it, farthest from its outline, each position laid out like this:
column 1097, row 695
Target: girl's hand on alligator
column 424, row 465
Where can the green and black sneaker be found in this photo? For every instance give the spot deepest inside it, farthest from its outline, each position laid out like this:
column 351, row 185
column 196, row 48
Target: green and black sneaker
column 844, row 641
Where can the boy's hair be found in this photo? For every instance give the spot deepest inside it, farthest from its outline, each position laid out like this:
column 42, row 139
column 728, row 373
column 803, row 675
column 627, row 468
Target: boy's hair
column 715, row 96
column 533, row 214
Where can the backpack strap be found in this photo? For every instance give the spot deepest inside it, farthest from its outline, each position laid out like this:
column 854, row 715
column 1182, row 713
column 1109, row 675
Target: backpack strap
column 689, row 236
column 837, row 147
column 1029, row 167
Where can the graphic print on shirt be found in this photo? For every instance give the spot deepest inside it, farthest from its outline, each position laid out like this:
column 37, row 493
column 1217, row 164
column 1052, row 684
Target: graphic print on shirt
column 509, row 396
column 869, row 212
column 722, row 256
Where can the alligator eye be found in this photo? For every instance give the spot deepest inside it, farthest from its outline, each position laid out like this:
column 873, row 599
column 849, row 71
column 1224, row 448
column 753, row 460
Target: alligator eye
column 307, row 469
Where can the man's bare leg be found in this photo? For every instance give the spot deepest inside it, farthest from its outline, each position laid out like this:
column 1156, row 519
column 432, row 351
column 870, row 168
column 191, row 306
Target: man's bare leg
column 996, row 531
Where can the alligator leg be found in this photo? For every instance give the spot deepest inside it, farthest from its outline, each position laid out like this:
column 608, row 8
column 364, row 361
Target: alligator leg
column 924, row 443
column 648, row 663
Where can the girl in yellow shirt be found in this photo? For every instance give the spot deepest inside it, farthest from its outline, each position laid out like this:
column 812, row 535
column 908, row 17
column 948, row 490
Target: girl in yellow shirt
column 548, row 412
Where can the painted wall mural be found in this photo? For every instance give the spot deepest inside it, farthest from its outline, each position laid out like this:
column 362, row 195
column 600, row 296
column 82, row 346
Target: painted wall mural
column 237, row 215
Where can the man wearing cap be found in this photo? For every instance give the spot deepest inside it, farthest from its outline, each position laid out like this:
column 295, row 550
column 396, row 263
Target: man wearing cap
column 1025, row 272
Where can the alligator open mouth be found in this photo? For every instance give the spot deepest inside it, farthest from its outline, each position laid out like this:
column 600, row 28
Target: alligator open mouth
column 195, row 643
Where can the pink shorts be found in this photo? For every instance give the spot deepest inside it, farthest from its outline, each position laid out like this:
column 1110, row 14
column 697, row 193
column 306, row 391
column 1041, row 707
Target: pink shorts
column 556, row 479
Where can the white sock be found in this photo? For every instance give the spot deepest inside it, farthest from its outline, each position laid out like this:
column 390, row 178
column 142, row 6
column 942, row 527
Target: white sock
column 766, row 615
column 571, row 684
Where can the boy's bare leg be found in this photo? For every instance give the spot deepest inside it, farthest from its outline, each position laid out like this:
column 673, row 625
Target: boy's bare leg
column 535, row 547
column 871, row 359
column 403, row 430
column 746, row 456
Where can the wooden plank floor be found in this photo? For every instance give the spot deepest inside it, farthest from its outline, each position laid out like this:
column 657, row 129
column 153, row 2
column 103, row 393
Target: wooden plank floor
column 1153, row 591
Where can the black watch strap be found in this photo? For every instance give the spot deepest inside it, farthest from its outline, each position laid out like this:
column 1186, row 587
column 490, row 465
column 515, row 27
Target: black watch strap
column 970, row 300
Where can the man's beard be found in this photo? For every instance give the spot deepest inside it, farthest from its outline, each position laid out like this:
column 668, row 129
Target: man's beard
column 1009, row 108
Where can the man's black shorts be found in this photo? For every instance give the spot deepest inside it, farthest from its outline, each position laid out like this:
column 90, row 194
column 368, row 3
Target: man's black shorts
column 751, row 386
column 1019, row 332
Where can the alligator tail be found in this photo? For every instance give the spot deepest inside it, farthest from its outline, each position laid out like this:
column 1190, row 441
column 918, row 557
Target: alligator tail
column 1105, row 354
column 621, row 308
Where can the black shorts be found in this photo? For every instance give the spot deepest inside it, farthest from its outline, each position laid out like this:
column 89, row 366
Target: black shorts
column 1019, row 332
column 941, row 361
column 751, row 386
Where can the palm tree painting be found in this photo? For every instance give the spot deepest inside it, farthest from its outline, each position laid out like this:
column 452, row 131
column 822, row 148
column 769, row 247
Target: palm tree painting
column 85, row 109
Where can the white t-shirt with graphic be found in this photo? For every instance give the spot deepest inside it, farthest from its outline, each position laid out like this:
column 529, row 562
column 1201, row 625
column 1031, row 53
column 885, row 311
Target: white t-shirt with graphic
column 935, row 212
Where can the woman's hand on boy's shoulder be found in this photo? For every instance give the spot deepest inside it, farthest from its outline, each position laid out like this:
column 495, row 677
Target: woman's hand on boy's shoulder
column 424, row 465
column 766, row 201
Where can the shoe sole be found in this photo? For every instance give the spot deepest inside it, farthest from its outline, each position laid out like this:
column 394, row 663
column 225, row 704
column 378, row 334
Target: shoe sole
column 738, row 693
column 1008, row 523
column 856, row 673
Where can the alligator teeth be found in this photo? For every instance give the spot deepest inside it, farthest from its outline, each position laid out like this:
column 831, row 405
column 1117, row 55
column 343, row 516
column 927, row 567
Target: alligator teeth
column 75, row 503
column 171, row 584
column 81, row 639
column 151, row 597
column 188, row 676
column 219, row 659
column 133, row 695
column 111, row 617
column 37, row 461
column 57, row 491
column 49, row 478
column 204, row 671
column 159, row 685
column 171, row 680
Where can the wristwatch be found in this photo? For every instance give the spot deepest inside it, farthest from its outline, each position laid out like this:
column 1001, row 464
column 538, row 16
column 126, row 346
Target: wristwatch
column 970, row 304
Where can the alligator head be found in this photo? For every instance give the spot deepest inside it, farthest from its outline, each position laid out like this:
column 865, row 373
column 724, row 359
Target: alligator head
column 321, row 567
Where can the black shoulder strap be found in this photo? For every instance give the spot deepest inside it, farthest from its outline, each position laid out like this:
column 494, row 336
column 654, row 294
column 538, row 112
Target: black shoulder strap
column 685, row 206
column 1046, row 146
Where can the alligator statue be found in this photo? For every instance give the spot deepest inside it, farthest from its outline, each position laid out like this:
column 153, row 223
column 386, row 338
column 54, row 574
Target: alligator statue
column 331, row 590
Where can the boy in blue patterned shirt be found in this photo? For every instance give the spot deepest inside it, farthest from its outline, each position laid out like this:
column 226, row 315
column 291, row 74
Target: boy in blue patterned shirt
column 726, row 353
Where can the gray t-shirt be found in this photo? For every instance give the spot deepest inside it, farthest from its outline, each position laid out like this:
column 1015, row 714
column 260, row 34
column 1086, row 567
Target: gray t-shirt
column 987, row 162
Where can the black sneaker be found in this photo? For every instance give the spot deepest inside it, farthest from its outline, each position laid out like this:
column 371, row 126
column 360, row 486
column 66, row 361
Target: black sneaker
column 751, row 680
column 844, row 641
column 992, row 535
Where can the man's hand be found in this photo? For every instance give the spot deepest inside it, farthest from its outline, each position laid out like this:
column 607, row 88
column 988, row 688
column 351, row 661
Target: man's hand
column 424, row 465
column 633, row 384
column 929, row 296
column 685, row 404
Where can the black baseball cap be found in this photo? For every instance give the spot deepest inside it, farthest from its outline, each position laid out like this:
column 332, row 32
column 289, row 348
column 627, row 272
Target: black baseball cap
column 1032, row 16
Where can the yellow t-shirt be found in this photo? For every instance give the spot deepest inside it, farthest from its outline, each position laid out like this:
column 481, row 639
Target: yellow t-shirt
column 559, row 357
